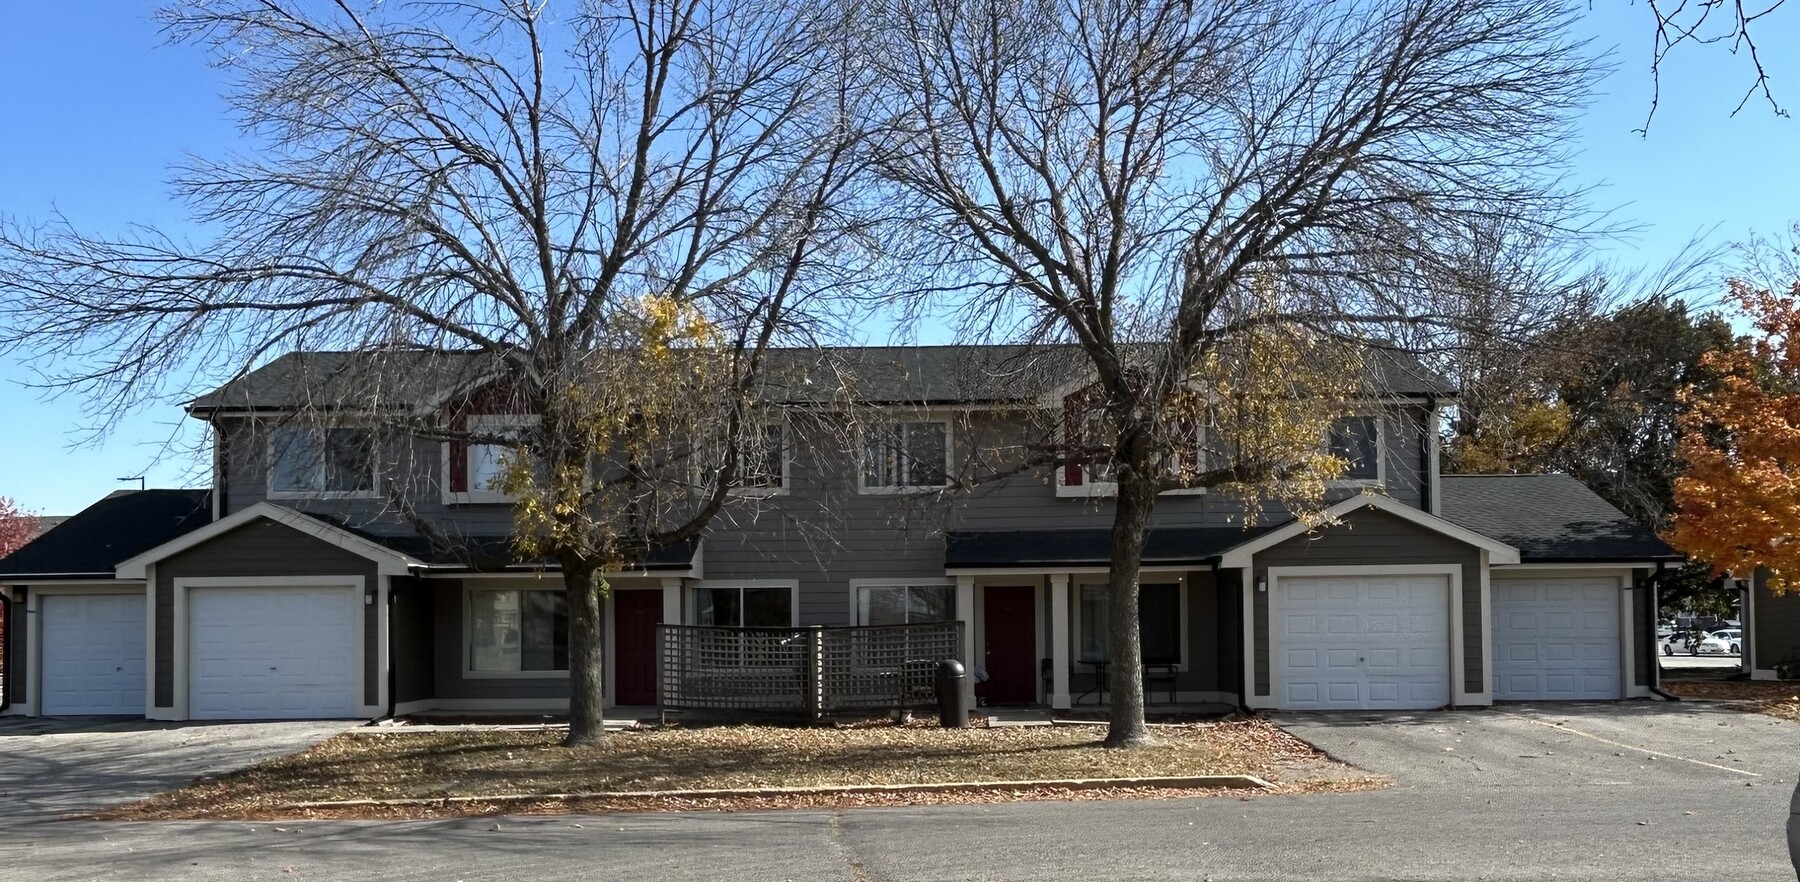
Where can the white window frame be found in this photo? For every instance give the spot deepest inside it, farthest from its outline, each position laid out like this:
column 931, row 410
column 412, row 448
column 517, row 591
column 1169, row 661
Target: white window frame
column 787, row 478
column 1381, row 440
column 857, row 586
column 373, row 492
column 1077, row 586
column 468, row 637
column 862, row 459
column 472, row 424
column 698, row 585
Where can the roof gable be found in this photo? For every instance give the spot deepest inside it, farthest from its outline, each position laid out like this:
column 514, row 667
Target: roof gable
column 1244, row 554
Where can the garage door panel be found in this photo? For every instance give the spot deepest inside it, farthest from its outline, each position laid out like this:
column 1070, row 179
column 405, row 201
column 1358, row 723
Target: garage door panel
column 1556, row 639
column 272, row 653
column 93, row 654
column 1385, row 643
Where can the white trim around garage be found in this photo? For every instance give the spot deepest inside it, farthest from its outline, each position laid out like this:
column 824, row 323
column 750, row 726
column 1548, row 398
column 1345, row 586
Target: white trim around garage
column 357, row 584
column 1452, row 574
column 1244, row 555
column 34, row 633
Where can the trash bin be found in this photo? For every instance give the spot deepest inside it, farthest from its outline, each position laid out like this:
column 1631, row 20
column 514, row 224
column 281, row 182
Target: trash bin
column 953, row 700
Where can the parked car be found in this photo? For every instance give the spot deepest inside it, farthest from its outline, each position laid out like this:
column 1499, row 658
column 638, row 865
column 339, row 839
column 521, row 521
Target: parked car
column 1725, row 641
column 1664, row 632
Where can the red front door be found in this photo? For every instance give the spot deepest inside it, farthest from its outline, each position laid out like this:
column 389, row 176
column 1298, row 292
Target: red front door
column 636, row 615
column 1010, row 631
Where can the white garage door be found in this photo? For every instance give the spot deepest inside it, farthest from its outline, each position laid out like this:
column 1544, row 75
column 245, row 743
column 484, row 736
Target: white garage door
column 93, row 653
column 1556, row 638
column 272, row 653
column 1362, row 642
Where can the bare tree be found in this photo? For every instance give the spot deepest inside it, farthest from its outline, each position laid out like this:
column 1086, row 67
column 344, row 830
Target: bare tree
column 1204, row 198
column 611, row 211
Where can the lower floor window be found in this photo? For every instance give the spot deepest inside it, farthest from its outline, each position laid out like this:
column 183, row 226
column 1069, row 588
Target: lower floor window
column 744, row 607
column 905, row 604
column 1159, row 623
column 515, row 631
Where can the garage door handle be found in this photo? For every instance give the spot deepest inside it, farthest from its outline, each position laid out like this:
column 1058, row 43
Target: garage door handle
column 271, row 667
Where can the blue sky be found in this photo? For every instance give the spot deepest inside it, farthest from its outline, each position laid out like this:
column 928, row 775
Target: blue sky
column 99, row 107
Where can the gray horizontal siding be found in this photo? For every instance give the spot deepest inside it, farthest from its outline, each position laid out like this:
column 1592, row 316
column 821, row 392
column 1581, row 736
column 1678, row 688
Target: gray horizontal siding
column 1776, row 636
column 262, row 548
column 18, row 669
column 1366, row 538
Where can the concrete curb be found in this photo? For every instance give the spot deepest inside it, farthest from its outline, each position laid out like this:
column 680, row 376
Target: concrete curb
column 1188, row 782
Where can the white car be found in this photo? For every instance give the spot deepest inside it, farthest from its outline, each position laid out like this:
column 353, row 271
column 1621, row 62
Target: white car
column 1725, row 641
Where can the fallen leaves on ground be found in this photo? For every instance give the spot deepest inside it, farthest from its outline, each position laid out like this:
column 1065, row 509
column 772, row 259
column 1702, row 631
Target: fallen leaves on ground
column 374, row 764
column 1774, row 698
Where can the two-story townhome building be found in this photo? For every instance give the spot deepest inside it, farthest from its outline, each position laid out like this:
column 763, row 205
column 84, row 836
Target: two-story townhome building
column 299, row 584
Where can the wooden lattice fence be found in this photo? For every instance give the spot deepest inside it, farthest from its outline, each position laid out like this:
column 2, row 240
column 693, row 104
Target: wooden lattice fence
column 808, row 672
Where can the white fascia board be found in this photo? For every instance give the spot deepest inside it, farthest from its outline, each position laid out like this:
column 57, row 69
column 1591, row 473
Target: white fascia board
column 388, row 561
column 1498, row 552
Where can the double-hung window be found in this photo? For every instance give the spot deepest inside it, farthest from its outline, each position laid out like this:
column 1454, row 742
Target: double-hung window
column 477, row 466
column 744, row 606
column 307, row 461
column 905, row 456
column 1159, row 623
column 1357, row 441
column 518, row 631
column 762, row 461
column 905, row 604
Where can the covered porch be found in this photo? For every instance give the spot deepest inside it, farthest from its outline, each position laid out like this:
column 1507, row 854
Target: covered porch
column 1036, row 603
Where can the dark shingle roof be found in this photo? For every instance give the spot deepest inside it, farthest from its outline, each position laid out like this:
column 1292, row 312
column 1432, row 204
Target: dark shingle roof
column 869, row 374
column 1164, row 546
column 489, row 553
column 1549, row 518
column 123, row 525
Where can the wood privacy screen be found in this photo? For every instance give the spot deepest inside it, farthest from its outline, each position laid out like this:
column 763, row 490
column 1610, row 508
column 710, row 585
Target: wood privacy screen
column 807, row 672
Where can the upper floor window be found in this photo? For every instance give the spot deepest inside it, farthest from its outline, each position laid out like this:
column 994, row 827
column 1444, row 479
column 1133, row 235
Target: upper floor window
column 905, row 456
column 477, row 467
column 307, row 461
column 762, row 461
column 1357, row 441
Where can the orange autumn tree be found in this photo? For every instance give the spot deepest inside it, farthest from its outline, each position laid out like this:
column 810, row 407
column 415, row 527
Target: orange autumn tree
column 1738, row 495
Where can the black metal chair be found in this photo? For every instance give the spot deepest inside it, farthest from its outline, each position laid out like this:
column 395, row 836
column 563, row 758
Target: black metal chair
column 1047, row 672
column 1160, row 672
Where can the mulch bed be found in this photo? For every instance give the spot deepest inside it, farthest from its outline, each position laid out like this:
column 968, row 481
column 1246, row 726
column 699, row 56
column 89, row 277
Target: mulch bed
column 395, row 764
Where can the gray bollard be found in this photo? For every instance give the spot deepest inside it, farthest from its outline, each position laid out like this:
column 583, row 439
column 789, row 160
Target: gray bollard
column 953, row 700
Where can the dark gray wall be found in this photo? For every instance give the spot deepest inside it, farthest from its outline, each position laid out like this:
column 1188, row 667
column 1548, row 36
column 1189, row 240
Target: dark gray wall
column 1777, row 625
column 412, row 629
column 1205, row 668
column 18, row 671
column 262, row 548
column 1370, row 537
column 451, row 634
column 1643, row 625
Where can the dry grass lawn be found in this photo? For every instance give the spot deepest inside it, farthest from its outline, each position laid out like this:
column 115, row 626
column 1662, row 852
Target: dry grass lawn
column 372, row 764
column 1774, row 698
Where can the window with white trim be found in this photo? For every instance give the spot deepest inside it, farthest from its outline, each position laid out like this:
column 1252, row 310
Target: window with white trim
column 762, row 460
column 905, row 456
column 905, row 604
column 518, row 631
column 1159, row 623
column 306, row 461
column 744, row 606
column 1357, row 441
column 477, row 470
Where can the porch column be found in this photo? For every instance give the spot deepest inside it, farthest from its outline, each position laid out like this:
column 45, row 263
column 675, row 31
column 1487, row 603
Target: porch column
column 1059, row 641
column 965, row 613
column 671, row 601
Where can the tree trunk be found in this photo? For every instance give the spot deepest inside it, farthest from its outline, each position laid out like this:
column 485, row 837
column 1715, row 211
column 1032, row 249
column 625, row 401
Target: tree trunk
column 586, row 654
column 1136, row 497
